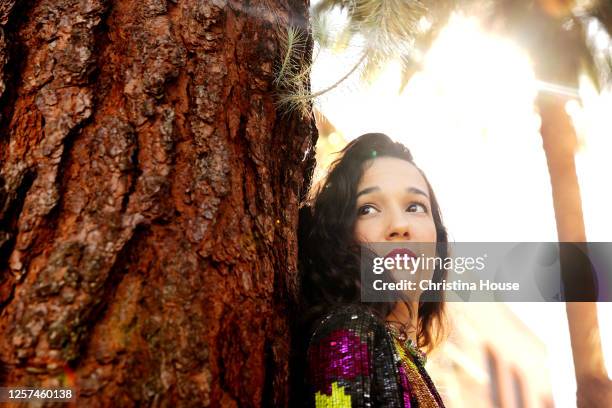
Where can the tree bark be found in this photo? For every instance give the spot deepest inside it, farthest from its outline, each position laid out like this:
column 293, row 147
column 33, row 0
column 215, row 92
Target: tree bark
column 149, row 196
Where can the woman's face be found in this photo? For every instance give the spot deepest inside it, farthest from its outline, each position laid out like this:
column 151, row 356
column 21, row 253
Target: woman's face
column 393, row 203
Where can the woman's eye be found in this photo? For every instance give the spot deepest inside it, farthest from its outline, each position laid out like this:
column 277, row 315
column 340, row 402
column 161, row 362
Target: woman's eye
column 417, row 207
column 366, row 209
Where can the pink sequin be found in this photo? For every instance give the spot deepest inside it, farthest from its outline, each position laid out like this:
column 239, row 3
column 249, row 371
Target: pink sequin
column 405, row 386
column 341, row 355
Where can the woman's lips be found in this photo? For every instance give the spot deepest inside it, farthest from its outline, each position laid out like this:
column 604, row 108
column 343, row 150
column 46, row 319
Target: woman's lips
column 401, row 252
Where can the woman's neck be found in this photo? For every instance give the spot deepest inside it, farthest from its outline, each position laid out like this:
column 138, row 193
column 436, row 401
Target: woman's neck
column 401, row 314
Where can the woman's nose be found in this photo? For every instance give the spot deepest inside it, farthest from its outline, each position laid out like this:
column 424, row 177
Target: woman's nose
column 399, row 228
column 402, row 233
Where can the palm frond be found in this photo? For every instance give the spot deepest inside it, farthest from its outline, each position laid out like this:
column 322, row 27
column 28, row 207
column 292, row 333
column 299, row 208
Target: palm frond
column 555, row 38
column 596, row 62
column 389, row 29
column 602, row 11
column 596, row 20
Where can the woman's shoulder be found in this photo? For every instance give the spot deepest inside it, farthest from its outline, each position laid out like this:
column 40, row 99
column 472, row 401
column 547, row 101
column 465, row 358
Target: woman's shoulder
column 354, row 319
column 350, row 355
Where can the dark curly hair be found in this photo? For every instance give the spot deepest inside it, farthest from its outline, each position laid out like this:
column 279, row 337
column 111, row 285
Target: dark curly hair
column 329, row 255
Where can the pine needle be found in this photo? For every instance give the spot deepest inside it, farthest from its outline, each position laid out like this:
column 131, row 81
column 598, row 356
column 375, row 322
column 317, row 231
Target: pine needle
column 390, row 29
column 292, row 47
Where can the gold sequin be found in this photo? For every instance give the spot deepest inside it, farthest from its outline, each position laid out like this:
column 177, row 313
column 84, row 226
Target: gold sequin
column 418, row 384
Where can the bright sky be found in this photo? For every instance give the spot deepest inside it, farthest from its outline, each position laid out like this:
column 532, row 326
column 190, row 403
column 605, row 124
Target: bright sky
column 469, row 120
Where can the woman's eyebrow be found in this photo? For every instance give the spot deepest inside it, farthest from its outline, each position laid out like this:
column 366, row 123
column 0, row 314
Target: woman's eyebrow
column 417, row 191
column 412, row 190
column 367, row 191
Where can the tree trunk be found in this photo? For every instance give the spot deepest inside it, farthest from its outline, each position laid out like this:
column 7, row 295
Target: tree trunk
column 148, row 200
column 559, row 141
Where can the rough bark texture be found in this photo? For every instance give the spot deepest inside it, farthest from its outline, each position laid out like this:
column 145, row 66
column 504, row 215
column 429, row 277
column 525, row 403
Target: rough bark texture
column 148, row 200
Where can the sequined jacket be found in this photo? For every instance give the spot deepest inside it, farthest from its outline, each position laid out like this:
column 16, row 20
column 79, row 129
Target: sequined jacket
column 353, row 361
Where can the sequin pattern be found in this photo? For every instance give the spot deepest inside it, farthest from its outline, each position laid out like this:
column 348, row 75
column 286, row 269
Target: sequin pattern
column 353, row 361
column 342, row 355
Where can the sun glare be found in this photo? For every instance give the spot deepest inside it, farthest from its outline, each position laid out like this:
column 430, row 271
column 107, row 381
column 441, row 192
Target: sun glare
column 478, row 83
column 481, row 79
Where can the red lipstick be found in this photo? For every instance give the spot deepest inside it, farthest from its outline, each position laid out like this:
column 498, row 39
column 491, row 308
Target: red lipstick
column 401, row 252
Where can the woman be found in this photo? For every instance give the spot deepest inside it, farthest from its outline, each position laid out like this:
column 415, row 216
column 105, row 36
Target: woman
column 367, row 354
